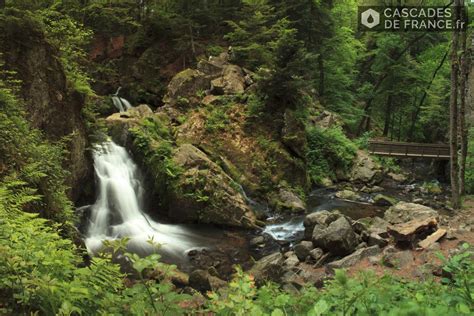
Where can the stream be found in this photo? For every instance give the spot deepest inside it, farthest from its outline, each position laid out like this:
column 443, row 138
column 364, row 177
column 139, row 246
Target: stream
column 118, row 212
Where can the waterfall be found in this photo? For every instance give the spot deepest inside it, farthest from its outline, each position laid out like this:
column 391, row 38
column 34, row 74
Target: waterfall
column 121, row 104
column 117, row 212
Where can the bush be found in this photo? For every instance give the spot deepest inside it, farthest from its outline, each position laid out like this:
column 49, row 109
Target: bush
column 27, row 157
column 328, row 150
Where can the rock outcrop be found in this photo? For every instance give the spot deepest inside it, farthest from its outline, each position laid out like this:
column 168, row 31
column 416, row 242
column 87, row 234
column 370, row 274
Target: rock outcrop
column 338, row 238
column 203, row 192
column 365, row 169
column 51, row 104
column 403, row 212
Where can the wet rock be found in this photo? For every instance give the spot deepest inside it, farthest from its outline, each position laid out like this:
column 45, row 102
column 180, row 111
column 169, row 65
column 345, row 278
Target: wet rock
column 353, row 258
column 303, row 249
column 374, row 189
column 185, row 86
column 365, row 169
column 232, row 81
column 289, row 202
column 383, row 200
column 398, row 177
column 398, row 259
column 120, row 123
column 403, row 212
column 316, row 254
column 338, row 238
column 202, row 281
column 257, row 241
column 204, row 193
column 269, row 268
column 347, row 195
column 321, row 219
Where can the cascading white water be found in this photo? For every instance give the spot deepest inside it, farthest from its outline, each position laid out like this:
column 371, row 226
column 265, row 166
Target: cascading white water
column 117, row 212
column 121, row 104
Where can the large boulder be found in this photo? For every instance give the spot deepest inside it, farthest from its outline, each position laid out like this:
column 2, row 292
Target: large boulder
column 184, row 87
column 269, row 268
column 52, row 104
column 232, row 81
column 289, row 202
column 203, row 281
column 338, row 238
column 203, row 192
column 353, row 258
column 119, row 124
column 321, row 219
column 365, row 169
column 403, row 212
column 347, row 195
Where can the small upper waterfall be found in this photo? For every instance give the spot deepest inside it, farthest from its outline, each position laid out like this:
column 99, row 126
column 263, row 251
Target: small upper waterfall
column 120, row 103
column 117, row 212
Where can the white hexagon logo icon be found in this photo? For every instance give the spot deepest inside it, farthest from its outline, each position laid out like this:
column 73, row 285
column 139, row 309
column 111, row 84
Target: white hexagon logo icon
column 370, row 18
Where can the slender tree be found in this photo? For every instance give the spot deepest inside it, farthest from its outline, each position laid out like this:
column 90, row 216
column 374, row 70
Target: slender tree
column 463, row 130
column 2, row 4
column 453, row 113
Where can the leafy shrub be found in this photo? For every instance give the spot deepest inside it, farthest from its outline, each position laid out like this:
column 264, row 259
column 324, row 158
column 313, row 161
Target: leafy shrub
column 27, row 157
column 328, row 150
column 39, row 273
column 365, row 294
column 388, row 163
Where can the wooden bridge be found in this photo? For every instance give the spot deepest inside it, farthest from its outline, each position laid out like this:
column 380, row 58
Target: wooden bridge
column 398, row 149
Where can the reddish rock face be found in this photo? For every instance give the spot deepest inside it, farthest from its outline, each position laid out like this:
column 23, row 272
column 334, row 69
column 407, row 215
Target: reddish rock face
column 107, row 47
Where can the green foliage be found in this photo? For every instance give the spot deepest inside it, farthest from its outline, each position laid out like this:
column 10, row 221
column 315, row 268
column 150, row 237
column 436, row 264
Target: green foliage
column 39, row 273
column 328, row 150
column 27, row 157
column 365, row 294
column 154, row 143
column 217, row 118
column 283, row 79
column 70, row 38
column 389, row 164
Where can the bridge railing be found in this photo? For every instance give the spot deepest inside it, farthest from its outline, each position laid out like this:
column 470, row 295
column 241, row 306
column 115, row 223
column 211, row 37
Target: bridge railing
column 400, row 149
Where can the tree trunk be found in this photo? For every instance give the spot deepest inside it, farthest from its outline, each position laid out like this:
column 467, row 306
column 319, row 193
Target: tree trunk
column 388, row 115
column 453, row 115
column 2, row 4
column 463, row 130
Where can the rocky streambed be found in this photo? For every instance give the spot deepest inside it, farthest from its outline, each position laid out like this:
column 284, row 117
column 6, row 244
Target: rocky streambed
column 340, row 228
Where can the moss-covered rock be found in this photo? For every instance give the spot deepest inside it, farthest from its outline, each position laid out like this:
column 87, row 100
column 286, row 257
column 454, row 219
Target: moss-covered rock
column 185, row 86
column 204, row 193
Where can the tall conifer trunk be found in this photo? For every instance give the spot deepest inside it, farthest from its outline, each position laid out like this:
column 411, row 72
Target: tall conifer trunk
column 453, row 114
column 463, row 129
